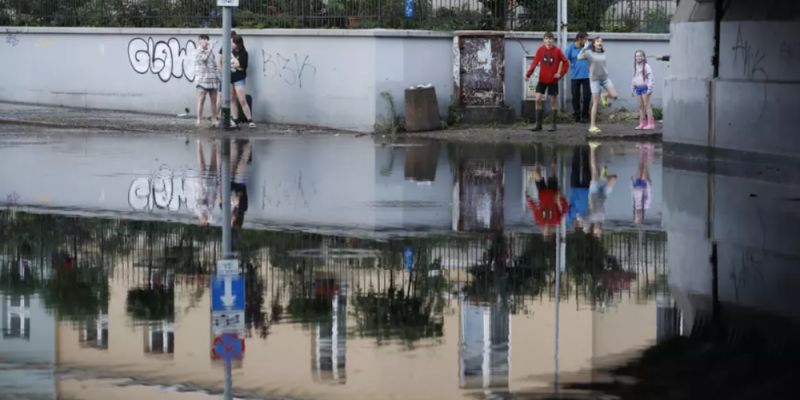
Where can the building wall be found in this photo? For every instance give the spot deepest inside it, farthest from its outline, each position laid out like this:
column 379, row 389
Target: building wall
column 332, row 78
column 749, row 105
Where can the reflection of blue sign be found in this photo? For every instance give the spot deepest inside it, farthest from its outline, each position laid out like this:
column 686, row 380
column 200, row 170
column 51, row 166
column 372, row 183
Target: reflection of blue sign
column 228, row 347
column 409, row 8
column 408, row 258
column 227, row 293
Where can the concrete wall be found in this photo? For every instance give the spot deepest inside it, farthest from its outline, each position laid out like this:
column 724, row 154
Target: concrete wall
column 749, row 105
column 330, row 78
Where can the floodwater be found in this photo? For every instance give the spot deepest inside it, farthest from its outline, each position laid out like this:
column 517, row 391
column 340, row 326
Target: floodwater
column 377, row 269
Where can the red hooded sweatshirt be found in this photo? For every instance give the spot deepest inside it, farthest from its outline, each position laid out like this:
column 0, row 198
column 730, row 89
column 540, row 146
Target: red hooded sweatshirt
column 549, row 59
column 551, row 209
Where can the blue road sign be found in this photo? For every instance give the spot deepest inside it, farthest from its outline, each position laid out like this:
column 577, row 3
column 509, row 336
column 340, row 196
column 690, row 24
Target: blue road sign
column 227, row 293
column 408, row 258
column 409, row 8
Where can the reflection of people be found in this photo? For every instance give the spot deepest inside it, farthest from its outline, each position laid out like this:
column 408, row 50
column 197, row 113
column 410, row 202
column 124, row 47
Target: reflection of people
column 640, row 184
column 207, row 191
column 598, row 77
column 599, row 189
column 207, row 79
column 552, row 205
column 550, row 58
column 579, row 78
column 241, row 158
column 642, row 85
column 580, row 181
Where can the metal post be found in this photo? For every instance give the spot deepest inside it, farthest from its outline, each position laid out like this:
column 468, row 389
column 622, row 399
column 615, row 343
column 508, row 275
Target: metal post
column 562, row 43
column 226, row 198
column 228, row 380
column 226, row 68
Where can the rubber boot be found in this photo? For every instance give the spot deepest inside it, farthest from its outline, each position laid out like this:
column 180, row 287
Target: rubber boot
column 651, row 124
column 642, row 123
column 555, row 117
column 539, row 118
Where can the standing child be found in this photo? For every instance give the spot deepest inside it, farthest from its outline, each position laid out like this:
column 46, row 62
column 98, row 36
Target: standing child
column 207, row 79
column 598, row 77
column 579, row 78
column 642, row 84
column 553, row 66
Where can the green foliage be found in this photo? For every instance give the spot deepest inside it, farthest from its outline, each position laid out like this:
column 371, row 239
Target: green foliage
column 151, row 303
column 536, row 15
column 658, row 113
column 75, row 294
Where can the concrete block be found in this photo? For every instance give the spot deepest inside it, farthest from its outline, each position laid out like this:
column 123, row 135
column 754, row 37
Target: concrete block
column 422, row 110
column 483, row 115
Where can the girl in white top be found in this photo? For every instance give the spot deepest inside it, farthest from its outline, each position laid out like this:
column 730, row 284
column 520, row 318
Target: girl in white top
column 642, row 86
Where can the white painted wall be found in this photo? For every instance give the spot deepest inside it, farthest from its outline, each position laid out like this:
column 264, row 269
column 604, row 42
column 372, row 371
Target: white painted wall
column 329, row 78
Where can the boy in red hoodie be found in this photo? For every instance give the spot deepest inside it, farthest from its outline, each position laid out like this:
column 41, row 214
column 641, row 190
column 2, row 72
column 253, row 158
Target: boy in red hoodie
column 552, row 205
column 550, row 58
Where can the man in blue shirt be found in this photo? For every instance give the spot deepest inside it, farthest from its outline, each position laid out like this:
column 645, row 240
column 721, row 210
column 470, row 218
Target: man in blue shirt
column 579, row 76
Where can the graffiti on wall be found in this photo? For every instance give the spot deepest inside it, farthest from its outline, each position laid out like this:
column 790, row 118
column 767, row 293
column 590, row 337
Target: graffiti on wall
column 164, row 190
column 166, row 59
column 293, row 70
column 12, row 39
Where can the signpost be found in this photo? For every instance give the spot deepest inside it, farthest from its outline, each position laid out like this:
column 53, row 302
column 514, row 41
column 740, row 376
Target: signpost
column 227, row 317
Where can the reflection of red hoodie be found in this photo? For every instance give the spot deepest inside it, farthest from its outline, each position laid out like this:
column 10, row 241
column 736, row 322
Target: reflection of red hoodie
column 551, row 209
column 549, row 59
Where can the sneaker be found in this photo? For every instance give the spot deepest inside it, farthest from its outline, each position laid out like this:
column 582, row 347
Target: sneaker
column 604, row 101
column 594, row 129
column 251, row 124
column 233, row 123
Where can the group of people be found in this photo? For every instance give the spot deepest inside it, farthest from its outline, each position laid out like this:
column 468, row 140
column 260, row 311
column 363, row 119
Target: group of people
column 590, row 187
column 586, row 62
column 208, row 80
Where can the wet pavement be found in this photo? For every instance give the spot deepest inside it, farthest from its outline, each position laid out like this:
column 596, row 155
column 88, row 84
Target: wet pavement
column 16, row 117
column 404, row 268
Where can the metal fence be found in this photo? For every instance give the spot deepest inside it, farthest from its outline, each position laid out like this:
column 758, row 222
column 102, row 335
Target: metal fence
column 443, row 15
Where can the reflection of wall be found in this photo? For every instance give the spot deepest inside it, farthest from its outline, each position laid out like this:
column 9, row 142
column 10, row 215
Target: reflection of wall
column 329, row 344
column 16, row 317
column 480, row 196
column 755, row 229
column 28, row 330
column 484, row 350
column 94, row 332
column 159, row 338
column 27, row 345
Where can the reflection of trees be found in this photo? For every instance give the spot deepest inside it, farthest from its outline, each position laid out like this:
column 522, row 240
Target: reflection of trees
column 407, row 311
column 502, row 274
column 77, row 294
column 254, row 315
column 152, row 303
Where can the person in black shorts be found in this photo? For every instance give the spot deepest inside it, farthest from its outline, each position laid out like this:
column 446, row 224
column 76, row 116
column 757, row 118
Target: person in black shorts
column 553, row 65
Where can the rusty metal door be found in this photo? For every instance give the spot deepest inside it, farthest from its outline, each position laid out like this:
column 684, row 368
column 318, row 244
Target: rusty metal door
column 481, row 70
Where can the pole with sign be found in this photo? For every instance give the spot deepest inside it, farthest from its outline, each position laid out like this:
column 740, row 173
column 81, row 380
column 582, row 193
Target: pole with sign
column 227, row 317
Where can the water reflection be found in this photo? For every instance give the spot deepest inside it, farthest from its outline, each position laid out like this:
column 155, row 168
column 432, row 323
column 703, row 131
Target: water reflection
column 417, row 271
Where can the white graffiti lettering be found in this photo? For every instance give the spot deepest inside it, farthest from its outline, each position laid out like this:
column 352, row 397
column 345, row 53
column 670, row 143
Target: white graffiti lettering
column 167, row 59
column 164, row 190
